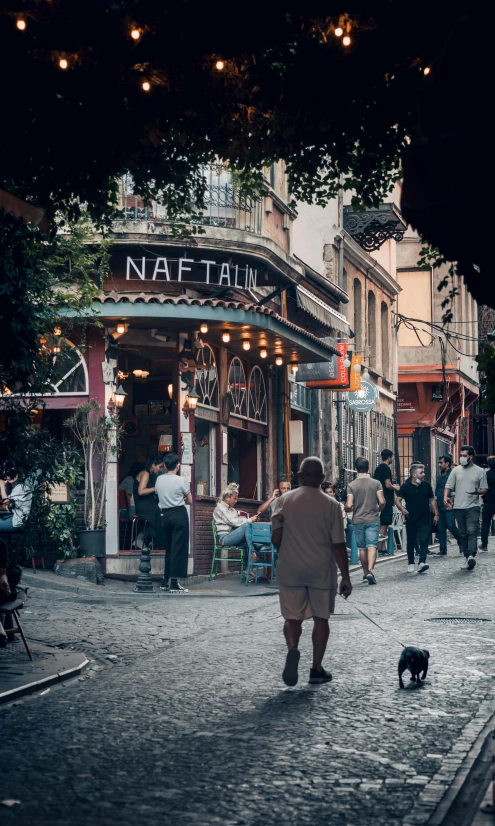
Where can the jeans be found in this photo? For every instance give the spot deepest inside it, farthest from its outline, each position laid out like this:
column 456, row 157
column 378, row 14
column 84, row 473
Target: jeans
column 366, row 534
column 417, row 533
column 6, row 524
column 468, row 522
column 487, row 514
column 446, row 521
column 235, row 537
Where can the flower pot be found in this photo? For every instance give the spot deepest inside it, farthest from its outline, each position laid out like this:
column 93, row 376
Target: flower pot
column 92, row 543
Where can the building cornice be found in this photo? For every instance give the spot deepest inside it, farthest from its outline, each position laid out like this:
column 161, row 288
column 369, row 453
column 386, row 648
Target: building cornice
column 330, row 287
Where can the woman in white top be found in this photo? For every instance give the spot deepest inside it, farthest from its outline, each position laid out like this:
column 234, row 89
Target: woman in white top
column 18, row 500
column 231, row 527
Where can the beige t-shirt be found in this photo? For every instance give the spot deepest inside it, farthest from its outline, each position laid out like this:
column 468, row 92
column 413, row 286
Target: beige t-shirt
column 312, row 524
column 366, row 507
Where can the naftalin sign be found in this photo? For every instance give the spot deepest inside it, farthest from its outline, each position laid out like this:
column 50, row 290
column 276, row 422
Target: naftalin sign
column 185, row 270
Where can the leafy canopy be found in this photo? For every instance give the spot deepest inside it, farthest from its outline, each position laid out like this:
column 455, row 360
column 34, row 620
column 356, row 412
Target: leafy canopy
column 288, row 89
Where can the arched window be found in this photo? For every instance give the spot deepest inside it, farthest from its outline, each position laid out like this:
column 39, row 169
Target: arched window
column 372, row 328
column 70, row 372
column 207, row 378
column 358, row 322
column 257, row 396
column 385, row 341
column 237, row 388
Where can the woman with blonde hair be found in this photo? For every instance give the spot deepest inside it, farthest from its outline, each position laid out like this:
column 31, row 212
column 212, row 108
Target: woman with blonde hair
column 231, row 527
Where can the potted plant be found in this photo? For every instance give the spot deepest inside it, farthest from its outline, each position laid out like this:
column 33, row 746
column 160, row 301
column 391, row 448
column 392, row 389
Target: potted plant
column 94, row 432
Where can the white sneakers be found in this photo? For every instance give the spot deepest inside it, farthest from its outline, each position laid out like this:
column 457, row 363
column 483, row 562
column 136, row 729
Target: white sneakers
column 468, row 564
column 422, row 567
column 410, row 568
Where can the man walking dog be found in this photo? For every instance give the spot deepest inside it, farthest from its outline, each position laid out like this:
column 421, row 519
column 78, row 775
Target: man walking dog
column 308, row 530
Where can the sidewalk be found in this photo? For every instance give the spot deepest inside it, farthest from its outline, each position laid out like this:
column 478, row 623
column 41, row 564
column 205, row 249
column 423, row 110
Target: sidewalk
column 19, row 676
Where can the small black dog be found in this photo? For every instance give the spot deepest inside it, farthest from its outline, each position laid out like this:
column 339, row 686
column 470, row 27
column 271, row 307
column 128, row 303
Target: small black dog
column 416, row 660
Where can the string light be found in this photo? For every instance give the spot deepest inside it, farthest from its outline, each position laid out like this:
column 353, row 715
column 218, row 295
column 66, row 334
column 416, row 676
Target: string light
column 146, row 86
column 426, row 70
column 346, row 363
column 346, row 40
column 339, row 31
column 57, row 331
column 357, row 368
column 135, row 34
column 246, row 344
column 279, row 361
column 21, row 24
column 220, row 65
column 225, row 337
column 366, row 375
column 203, row 329
column 263, row 353
column 63, row 63
column 294, row 367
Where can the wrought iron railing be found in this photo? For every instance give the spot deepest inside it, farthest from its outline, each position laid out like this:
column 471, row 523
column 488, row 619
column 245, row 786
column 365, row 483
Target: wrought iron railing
column 226, row 206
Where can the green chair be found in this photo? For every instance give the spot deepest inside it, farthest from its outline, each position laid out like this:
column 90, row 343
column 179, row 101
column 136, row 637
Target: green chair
column 217, row 554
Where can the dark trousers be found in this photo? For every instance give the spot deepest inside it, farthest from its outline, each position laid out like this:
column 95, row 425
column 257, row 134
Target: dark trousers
column 487, row 514
column 173, row 532
column 417, row 534
column 446, row 521
column 468, row 522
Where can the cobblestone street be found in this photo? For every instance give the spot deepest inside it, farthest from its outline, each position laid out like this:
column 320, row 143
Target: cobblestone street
column 189, row 721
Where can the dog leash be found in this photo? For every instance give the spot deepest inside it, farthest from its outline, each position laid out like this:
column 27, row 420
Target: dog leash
column 384, row 631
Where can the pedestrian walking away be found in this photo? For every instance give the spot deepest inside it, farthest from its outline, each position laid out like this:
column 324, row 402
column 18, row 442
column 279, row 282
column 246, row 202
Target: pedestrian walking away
column 173, row 523
column 308, row 530
column 446, row 519
column 365, row 498
column 488, row 510
column 418, row 495
column 468, row 482
column 383, row 474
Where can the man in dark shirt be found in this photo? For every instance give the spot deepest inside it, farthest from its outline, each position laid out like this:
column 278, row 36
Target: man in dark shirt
column 383, row 474
column 446, row 518
column 418, row 495
column 488, row 511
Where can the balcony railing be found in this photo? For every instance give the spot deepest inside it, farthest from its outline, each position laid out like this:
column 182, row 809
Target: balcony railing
column 226, row 206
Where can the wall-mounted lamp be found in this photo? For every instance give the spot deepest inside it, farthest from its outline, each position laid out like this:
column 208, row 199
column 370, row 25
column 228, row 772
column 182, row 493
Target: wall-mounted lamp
column 141, row 374
column 225, row 337
column 117, row 400
column 190, row 403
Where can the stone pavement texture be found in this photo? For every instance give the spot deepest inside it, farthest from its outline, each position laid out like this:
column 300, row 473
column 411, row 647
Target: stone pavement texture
column 189, row 722
column 19, row 675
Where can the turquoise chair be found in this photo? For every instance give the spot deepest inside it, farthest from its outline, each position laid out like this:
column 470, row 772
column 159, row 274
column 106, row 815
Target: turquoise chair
column 257, row 534
column 217, row 554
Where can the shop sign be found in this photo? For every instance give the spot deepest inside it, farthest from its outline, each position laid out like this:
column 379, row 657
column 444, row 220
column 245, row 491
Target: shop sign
column 191, row 270
column 405, row 404
column 364, row 399
column 327, row 374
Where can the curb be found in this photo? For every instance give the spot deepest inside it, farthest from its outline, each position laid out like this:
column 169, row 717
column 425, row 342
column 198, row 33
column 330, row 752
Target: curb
column 46, row 682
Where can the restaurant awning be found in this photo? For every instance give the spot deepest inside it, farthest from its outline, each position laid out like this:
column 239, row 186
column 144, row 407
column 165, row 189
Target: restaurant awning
column 263, row 326
column 321, row 311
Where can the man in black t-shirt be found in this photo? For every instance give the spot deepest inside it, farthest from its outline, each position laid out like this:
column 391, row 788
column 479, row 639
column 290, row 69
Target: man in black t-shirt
column 419, row 497
column 383, row 474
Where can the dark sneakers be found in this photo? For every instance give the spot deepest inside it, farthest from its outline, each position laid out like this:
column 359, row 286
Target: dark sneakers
column 176, row 588
column 370, row 578
column 316, row 676
column 289, row 674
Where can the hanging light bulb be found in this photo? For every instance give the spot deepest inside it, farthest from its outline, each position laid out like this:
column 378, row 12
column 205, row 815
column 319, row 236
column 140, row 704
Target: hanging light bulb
column 121, row 328
column 225, row 337
column 63, row 63
column 246, row 344
column 135, row 34
column 339, row 31
column 357, row 368
column 21, row 24
column 146, row 86
column 426, row 70
column 203, row 328
column 263, row 353
column 170, row 390
column 294, row 367
column 366, row 375
column 56, row 350
column 346, row 40
column 347, row 363
column 279, row 361
column 57, row 331
column 220, row 65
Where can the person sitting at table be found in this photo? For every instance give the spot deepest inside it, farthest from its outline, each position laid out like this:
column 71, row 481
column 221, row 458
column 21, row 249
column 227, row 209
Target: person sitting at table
column 231, row 527
column 145, row 499
column 283, row 487
column 127, row 484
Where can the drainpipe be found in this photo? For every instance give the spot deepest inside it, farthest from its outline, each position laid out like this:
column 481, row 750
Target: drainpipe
column 340, row 278
column 280, row 427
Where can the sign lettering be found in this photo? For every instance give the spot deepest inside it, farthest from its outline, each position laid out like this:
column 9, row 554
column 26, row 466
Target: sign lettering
column 188, row 270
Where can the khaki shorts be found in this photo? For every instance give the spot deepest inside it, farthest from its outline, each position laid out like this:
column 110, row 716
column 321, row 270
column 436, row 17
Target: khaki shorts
column 301, row 602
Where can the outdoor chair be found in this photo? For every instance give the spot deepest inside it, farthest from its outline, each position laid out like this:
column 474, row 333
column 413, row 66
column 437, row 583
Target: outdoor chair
column 124, row 521
column 259, row 539
column 217, row 554
column 397, row 527
column 136, row 519
column 11, row 609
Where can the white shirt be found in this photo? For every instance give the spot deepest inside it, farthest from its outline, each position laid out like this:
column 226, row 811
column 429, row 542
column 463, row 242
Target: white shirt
column 21, row 497
column 312, row 525
column 171, row 490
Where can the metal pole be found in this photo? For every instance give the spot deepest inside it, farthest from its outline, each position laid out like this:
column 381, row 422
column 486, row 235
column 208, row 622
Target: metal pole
column 144, row 584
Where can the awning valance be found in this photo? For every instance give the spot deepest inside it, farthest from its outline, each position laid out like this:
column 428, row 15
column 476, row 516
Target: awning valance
column 322, row 312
